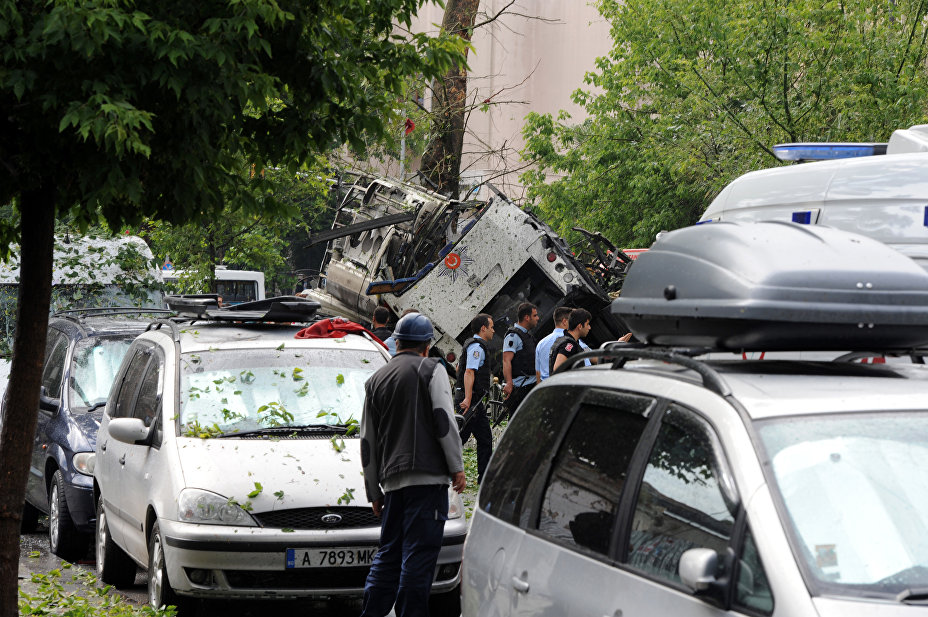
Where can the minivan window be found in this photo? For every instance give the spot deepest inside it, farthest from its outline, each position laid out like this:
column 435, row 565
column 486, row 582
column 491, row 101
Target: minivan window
column 681, row 504
column 148, row 402
column 131, row 381
column 520, row 459
column 581, row 498
column 753, row 591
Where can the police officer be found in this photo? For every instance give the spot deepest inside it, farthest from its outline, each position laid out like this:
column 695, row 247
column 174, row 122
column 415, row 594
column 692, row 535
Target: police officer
column 390, row 341
column 409, row 449
column 545, row 345
column 578, row 325
column 474, row 374
column 519, row 357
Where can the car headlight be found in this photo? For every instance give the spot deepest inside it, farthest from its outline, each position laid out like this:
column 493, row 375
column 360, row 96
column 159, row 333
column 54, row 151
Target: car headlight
column 455, row 504
column 83, row 463
column 198, row 506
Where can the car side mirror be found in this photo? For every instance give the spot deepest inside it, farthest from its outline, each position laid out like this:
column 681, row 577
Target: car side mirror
column 698, row 568
column 48, row 403
column 707, row 573
column 128, row 430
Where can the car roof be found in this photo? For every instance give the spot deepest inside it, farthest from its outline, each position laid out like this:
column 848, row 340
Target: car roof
column 771, row 388
column 203, row 336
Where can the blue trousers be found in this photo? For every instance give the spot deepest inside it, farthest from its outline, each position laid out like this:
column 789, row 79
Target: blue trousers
column 412, row 523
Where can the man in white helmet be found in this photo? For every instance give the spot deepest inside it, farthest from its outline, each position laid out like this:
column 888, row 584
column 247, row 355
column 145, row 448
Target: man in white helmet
column 410, row 450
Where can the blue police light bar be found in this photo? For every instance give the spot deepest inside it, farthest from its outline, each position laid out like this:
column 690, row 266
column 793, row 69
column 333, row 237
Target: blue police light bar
column 826, row 151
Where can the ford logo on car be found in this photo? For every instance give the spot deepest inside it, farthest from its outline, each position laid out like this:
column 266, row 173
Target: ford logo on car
column 331, row 519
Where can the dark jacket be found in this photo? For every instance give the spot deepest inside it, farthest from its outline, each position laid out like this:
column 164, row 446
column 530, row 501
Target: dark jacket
column 400, row 407
column 383, row 333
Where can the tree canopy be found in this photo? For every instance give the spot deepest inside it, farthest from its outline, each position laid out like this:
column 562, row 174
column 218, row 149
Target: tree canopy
column 695, row 92
column 117, row 110
column 251, row 241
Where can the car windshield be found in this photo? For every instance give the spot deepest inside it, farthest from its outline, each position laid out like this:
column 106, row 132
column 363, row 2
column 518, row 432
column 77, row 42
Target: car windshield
column 855, row 489
column 235, row 391
column 93, row 368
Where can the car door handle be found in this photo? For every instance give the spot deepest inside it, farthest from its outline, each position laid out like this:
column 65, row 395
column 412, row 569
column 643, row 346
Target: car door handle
column 519, row 584
column 103, row 446
column 122, row 459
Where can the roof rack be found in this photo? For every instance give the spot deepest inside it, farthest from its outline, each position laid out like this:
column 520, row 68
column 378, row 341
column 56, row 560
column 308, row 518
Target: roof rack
column 160, row 323
column 108, row 310
column 620, row 353
column 193, row 307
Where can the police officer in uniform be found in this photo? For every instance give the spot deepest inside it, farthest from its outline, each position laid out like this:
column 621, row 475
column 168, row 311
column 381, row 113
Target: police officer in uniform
column 578, row 325
column 409, row 451
column 519, row 357
column 473, row 386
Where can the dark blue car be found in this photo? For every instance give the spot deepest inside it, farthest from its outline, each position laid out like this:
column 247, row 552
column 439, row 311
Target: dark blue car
column 84, row 350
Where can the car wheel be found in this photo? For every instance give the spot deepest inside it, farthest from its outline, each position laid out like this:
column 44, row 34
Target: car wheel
column 63, row 538
column 160, row 592
column 445, row 604
column 114, row 566
column 30, row 519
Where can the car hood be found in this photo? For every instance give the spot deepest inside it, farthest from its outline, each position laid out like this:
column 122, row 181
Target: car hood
column 87, row 424
column 864, row 607
column 292, row 473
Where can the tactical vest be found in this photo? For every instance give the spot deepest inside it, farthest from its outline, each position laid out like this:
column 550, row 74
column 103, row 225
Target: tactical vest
column 481, row 378
column 554, row 350
column 523, row 361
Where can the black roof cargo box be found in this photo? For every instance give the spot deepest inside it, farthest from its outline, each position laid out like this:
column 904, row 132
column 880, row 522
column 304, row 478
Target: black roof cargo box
column 775, row 287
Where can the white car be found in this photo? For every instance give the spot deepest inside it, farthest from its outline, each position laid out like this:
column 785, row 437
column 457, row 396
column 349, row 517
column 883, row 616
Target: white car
column 228, row 464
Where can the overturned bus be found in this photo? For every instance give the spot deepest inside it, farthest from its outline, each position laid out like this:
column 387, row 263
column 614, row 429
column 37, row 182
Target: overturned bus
column 403, row 246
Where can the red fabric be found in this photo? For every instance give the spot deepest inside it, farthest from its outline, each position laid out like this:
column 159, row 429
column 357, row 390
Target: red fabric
column 335, row 327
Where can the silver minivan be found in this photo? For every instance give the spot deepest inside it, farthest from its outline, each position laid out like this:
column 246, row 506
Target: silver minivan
column 663, row 482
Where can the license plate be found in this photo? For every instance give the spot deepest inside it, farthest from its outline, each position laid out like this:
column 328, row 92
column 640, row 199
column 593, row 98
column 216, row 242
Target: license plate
column 330, row 557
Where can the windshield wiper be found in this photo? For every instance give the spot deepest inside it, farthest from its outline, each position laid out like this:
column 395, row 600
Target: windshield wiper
column 914, row 595
column 96, row 406
column 337, row 429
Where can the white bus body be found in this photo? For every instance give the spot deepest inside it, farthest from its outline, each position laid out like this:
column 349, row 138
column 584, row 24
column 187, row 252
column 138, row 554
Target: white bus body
column 233, row 286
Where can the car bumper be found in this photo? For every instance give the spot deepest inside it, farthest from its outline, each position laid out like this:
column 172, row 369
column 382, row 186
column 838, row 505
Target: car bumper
column 211, row 561
column 79, row 495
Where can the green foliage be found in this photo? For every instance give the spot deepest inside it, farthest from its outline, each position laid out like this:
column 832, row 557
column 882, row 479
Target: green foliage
column 694, row 93
column 195, row 429
column 258, row 490
column 133, row 109
column 95, row 269
column 51, row 597
column 246, row 240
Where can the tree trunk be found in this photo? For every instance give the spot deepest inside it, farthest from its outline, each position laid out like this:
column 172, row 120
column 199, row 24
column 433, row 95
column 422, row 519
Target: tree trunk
column 441, row 162
column 21, row 401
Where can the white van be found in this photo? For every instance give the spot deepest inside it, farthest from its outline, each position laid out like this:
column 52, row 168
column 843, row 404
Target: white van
column 883, row 197
column 233, row 286
column 89, row 271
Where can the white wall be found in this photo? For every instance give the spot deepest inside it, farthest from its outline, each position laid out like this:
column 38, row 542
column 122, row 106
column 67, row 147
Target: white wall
column 531, row 59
